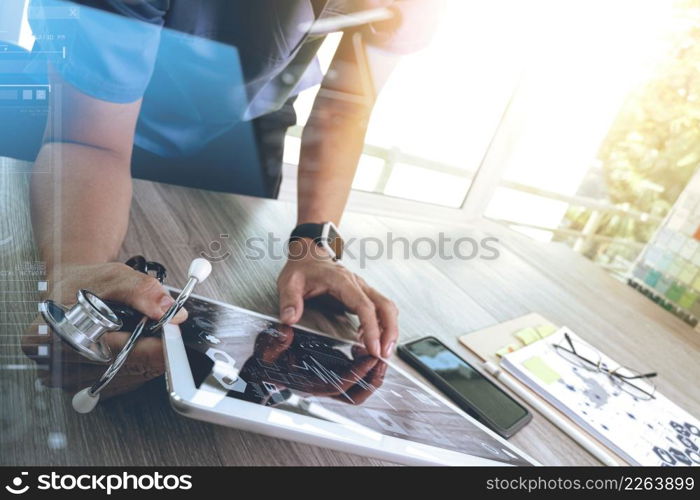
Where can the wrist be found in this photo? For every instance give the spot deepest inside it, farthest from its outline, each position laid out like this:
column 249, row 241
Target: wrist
column 304, row 248
column 324, row 235
column 66, row 266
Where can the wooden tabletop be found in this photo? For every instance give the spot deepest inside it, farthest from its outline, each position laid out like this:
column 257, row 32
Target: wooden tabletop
column 436, row 295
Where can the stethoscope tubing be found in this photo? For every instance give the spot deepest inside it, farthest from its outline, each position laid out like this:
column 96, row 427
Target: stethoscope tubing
column 121, row 358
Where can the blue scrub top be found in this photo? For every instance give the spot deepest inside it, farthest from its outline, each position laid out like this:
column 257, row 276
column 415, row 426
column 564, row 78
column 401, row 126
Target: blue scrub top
column 201, row 66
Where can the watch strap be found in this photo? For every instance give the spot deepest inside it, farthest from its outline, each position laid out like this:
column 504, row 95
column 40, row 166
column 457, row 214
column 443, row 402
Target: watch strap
column 314, row 231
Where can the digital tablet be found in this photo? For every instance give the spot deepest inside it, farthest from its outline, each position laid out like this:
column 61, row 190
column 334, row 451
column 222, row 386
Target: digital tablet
column 238, row 368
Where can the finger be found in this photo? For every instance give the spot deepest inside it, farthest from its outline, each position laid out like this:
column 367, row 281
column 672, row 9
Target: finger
column 58, row 351
column 31, row 338
column 135, row 289
column 70, row 377
column 388, row 314
column 180, row 317
column 291, row 290
column 347, row 290
column 77, row 376
column 119, row 385
column 146, row 358
column 64, row 367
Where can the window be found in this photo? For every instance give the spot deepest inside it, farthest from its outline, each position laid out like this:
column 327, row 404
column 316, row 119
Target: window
column 568, row 121
column 608, row 135
column 428, row 134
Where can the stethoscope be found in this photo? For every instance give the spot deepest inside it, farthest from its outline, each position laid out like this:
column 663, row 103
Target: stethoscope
column 83, row 325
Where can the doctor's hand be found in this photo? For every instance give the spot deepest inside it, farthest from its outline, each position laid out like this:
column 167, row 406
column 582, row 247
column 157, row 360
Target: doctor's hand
column 310, row 272
column 63, row 367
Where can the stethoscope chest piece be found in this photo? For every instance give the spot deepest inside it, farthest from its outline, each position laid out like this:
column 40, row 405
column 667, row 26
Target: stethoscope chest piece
column 83, row 325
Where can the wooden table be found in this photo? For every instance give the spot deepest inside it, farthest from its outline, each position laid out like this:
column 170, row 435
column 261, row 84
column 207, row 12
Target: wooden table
column 439, row 296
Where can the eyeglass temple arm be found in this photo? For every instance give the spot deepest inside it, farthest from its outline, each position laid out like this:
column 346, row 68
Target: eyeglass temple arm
column 634, row 377
column 573, row 350
column 571, row 344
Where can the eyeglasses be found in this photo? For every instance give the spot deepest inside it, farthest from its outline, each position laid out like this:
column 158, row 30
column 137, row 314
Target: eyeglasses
column 632, row 382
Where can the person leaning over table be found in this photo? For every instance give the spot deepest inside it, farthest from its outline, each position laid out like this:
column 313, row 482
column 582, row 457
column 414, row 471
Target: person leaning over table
column 102, row 107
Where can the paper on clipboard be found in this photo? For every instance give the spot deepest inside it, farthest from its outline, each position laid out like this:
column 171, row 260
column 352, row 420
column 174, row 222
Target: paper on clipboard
column 487, row 342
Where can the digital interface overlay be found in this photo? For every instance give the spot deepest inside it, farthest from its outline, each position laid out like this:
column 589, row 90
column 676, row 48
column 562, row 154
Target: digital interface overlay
column 263, row 362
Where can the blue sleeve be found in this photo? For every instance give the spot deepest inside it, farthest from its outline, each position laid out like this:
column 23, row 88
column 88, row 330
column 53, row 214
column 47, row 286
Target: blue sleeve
column 105, row 48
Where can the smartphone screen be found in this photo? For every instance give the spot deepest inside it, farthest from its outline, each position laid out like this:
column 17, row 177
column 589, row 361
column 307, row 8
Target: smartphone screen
column 496, row 408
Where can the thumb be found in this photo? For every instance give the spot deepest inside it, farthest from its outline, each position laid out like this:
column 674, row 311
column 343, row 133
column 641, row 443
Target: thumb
column 142, row 292
column 291, row 292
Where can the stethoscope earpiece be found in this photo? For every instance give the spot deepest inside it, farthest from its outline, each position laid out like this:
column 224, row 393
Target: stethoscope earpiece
column 84, row 402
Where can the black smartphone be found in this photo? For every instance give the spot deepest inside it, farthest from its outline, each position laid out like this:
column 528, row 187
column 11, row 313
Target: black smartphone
column 465, row 386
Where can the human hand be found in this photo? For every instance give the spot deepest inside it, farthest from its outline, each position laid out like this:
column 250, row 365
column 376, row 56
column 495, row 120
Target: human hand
column 114, row 282
column 311, row 272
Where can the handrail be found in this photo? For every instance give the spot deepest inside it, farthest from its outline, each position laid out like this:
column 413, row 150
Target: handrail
column 570, row 232
column 582, row 201
column 394, row 155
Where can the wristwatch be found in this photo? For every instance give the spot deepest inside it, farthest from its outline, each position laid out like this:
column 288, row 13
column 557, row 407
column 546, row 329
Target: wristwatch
column 324, row 234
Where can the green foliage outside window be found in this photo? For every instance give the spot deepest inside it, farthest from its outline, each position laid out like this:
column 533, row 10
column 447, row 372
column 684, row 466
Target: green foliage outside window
column 653, row 147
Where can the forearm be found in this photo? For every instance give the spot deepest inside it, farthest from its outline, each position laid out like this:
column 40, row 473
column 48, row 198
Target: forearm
column 80, row 199
column 331, row 147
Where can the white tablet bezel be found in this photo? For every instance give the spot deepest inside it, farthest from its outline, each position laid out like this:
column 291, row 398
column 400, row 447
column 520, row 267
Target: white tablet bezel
column 200, row 404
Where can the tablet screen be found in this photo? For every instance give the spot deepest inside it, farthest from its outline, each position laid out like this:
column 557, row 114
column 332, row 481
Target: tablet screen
column 262, row 362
